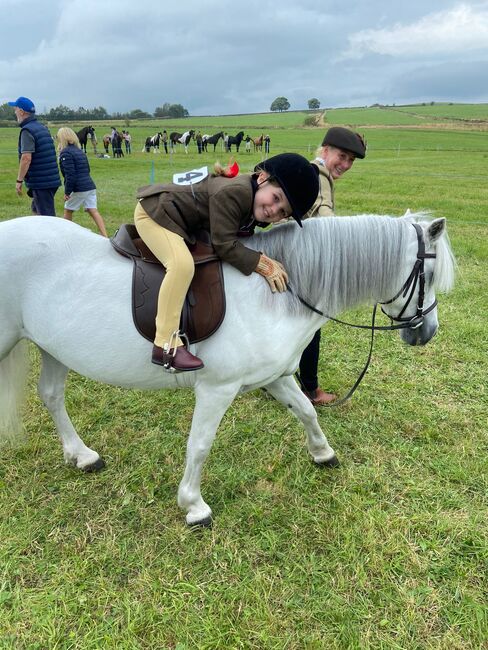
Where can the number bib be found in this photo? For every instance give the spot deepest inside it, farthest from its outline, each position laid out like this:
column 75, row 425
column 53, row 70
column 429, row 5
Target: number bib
column 190, row 178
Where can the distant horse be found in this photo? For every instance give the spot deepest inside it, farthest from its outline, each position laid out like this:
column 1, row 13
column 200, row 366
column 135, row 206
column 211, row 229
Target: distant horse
column 258, row 143
column 83, row 135
column 182, row 138
column 107, row 139
column 212, row 139
column 85, row 323
column 117, row 139
column 153, row 141
column 235, row 139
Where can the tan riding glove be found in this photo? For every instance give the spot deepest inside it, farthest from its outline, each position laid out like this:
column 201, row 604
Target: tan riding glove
column 274, row 272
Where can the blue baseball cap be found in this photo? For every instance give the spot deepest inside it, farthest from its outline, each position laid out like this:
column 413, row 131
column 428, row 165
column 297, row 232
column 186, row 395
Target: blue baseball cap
column 24, row 103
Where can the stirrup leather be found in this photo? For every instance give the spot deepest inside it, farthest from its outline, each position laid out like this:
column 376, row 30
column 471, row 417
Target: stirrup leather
column 170, row 349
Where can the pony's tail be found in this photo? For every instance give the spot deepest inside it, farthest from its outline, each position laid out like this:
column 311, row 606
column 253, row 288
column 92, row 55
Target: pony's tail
column 13, row 380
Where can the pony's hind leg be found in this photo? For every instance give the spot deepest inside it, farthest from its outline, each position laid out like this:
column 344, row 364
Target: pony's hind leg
column 286, row 391
column 51, row 391
column 14, row 366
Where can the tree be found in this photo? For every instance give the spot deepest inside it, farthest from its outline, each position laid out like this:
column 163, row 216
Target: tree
column 313, row 104
column 138, row 114
column 61, row 112
column 171, row 110
column 280, row 104
column 7, row 113
column 177, row 110
column 162, row 111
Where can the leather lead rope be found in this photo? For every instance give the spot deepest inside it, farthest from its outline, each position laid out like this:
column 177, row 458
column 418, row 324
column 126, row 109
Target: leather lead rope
column 350, row 393
column 416, row 277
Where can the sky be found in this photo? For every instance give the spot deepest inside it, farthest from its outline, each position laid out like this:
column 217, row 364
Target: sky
column 219, row 58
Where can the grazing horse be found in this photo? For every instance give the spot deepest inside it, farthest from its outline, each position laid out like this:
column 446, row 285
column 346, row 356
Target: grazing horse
column 107, row 139
column 117, row 139
column 212, row 139
column 83, row 135
column 235, row 139
column 182, row 138
column 258, row 143
column 85, row 322
column 153, row 141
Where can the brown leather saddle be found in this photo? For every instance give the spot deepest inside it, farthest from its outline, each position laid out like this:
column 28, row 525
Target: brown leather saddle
column 204, row 307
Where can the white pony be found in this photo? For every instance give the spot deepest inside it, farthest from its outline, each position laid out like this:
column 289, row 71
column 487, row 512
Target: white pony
column 68, row 291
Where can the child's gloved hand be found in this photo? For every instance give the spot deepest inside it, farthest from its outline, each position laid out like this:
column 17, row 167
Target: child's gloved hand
column 274, row 272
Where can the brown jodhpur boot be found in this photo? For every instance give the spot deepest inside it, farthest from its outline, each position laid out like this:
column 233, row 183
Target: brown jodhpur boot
column 176, row 361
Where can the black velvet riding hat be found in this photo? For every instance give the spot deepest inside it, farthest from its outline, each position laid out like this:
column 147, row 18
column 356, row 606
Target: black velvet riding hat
column 346, row 140
column 297, row 178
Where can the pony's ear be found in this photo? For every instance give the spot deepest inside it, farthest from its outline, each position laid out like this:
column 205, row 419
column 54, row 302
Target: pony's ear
column 435, row 229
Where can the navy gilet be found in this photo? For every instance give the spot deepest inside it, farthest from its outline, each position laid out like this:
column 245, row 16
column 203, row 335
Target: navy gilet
column 43, row 171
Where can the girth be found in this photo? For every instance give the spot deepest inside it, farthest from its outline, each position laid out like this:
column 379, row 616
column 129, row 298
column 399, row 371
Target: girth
column 204, row 307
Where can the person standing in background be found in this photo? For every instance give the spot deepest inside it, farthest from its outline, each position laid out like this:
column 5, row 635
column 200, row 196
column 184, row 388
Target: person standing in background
column 79, row 188
column 199, row 140
column 127, row 140
column 340, row 148
column 38, row 166
column 165, row 140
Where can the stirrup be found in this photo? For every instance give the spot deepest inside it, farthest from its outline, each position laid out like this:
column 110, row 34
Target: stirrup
column 168, row 365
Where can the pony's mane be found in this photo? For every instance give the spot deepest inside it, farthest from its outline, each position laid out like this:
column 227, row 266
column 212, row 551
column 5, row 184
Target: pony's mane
column 356, row 258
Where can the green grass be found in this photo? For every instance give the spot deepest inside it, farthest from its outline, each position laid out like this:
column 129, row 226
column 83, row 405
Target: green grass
column 389, row 551
column 414, row 115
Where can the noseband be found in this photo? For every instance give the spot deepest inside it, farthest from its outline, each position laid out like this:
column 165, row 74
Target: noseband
column 417, row 276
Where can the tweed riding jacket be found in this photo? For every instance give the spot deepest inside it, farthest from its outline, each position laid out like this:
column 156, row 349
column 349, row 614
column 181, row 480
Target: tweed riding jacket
column 220, row 205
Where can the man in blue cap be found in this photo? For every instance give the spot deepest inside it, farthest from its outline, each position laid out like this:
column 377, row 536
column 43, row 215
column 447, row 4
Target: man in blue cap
column 38, row 166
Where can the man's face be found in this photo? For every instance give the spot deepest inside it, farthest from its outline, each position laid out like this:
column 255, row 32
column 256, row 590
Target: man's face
column 20, row 114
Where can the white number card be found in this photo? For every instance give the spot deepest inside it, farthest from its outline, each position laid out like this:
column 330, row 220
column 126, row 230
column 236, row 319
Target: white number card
column 191, row 177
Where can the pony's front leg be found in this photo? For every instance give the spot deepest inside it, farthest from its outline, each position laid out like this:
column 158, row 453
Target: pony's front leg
column 286, row 391
column 211, row 404
column 51, row 391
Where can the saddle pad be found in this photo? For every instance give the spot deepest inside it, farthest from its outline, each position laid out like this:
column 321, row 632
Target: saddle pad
column 204, row 307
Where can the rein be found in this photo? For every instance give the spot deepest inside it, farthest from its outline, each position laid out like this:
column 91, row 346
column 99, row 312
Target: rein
column 417, row 276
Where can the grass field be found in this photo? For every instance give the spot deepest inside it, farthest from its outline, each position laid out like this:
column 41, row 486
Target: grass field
column 389, row 551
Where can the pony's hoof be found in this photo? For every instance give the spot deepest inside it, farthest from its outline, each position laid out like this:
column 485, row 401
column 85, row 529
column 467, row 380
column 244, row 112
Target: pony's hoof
column 96, row 466
column 203, row 523
column 331, row 462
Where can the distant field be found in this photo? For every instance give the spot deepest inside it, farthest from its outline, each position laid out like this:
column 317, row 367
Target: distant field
column 448, row 111
column 370, row 117
column 415, row 115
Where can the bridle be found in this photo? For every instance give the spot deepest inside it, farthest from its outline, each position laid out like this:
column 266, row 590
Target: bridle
column 416, row 277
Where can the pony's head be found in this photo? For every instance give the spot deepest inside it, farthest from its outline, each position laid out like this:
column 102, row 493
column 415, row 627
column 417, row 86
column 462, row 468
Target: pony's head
column 432, row 269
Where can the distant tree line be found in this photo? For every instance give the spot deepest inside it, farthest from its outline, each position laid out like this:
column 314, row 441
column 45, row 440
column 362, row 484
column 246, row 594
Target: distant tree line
column 65, row 113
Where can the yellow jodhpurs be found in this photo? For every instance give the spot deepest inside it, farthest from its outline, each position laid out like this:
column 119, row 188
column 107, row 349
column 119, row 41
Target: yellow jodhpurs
column 173, row 253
